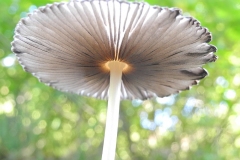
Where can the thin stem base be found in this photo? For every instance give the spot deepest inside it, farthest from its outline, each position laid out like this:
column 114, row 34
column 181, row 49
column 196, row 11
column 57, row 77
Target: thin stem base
column 110, row 138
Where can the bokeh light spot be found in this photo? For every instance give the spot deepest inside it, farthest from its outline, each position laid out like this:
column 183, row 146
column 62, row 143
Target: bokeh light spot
column 185, row 144
column 4, row 90
column 152, row 141
column 222, row 81
column 7, row 108
column 234, row 60
column 41, row 143
column 36, row 114
column 58, row 135
column 135, row 136
column 236, row 108
column 170, row 100
column 67, row 127
column 230, row 94
column 26, row 122
column 222, row 110
column 20, row 99
column 42, row 124
column 148, row 106
column 56, row 123
column 98, row 129
column 32, row 8
column 90, row 133
column 136, row 102
column 237, row 142
column 236, row 80
column 13, row 9
column 8, row 61
column 92, row 121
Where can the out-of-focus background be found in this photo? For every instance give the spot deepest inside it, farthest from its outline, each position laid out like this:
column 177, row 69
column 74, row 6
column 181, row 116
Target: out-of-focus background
column 40, row 123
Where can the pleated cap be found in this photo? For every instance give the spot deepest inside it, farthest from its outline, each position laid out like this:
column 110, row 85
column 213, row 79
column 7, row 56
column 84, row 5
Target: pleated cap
column 66, row 45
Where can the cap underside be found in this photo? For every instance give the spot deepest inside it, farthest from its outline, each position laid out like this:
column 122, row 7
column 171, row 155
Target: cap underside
column 66, row 45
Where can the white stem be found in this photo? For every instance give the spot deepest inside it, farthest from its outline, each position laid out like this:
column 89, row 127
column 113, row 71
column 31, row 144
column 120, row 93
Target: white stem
column 110, row 138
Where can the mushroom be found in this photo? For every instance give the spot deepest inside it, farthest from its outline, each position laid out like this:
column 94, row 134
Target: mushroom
column 113, row 49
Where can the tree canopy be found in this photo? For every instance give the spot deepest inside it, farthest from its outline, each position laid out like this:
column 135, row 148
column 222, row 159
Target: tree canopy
column 38, row 122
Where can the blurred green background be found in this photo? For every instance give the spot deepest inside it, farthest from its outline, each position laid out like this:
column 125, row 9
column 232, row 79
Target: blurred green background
column 40, row 123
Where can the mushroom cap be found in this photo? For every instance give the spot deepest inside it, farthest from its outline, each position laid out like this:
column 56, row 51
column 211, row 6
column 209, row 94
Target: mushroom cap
column 66, row 45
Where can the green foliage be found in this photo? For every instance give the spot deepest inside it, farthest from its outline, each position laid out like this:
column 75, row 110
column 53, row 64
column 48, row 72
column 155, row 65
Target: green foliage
column 38, row 122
